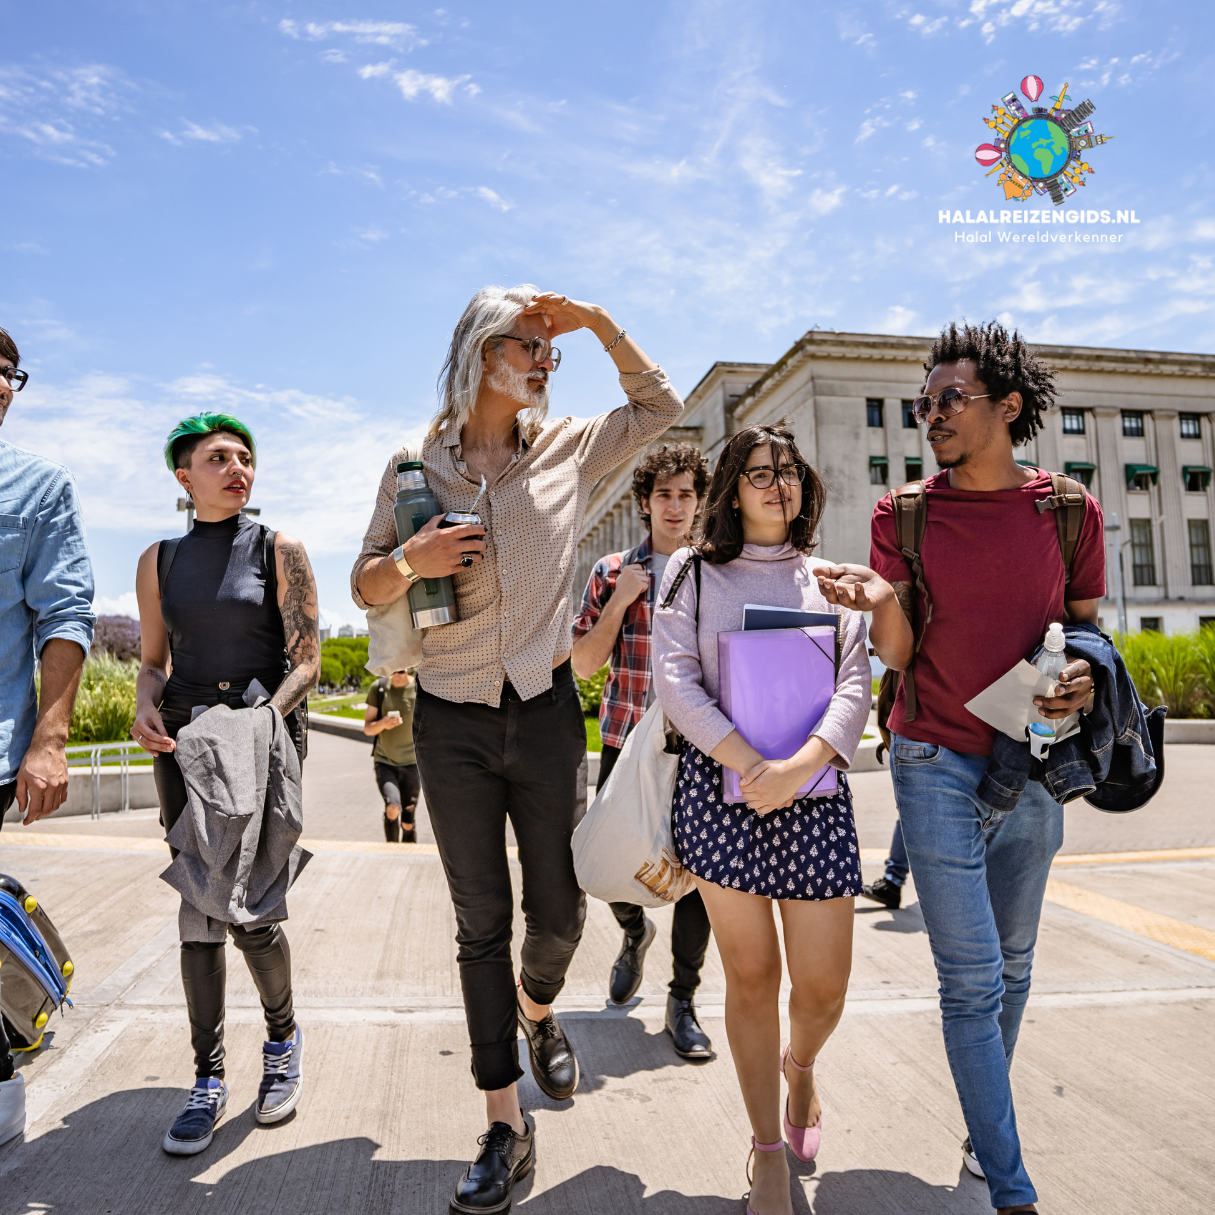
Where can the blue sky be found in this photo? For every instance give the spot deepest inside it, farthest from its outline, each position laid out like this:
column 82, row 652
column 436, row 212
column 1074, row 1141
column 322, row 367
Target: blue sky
column 280, row 208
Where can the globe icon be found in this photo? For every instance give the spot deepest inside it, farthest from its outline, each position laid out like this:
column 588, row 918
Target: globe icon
column 1039, row 148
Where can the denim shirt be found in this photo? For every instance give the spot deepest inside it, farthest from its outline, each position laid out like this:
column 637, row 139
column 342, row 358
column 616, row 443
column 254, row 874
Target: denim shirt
column 46, row 586
column 1115, row 762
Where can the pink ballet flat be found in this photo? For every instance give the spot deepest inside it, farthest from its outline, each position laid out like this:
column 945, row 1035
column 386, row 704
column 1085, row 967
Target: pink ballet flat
column 804, row 1140
column 756, row 1146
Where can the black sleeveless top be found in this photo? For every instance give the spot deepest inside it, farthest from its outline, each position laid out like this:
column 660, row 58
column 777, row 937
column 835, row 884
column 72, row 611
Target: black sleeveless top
column 223, row 625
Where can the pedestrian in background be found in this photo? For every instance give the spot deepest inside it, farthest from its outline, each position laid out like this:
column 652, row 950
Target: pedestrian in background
column 764, row 508
column 389, row 720
column 46, row 614
column 498, row 728
column 614, row 627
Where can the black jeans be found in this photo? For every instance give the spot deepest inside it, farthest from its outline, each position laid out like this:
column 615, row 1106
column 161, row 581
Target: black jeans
column 690, row 930
column 7, row 792
column 399, row 786
column 203, row 963
column 479, row 765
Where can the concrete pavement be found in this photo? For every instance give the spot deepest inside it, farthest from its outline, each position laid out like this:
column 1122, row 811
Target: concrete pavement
column 1113, row 1075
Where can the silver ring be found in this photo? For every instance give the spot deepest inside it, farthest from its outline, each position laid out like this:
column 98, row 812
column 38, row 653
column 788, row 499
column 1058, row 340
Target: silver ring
column 565, row 299
column 466, row 561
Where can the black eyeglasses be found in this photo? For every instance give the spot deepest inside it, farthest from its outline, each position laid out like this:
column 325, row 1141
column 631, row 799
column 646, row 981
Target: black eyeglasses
column 15, row 376
column 764, row 476
column 541, row 349
column 951, row 401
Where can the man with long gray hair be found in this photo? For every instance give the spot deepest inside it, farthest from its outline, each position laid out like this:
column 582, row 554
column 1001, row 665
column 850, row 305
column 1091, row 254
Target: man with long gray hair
column 498, row 727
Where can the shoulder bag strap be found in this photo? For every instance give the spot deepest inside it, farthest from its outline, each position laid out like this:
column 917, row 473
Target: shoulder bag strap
column 164, row 561
column 1067, row 501
column 910, row 522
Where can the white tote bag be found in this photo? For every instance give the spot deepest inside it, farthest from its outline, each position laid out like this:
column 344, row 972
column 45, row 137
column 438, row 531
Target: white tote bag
column 393, row 644
column 624, row 848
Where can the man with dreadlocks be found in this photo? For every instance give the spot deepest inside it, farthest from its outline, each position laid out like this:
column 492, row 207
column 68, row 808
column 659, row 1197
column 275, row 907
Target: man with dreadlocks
column 992, row 580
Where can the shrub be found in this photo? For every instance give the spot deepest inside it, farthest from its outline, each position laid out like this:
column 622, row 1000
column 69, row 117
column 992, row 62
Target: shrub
column 1175, row 670
column 105, row 704
column 590, row 691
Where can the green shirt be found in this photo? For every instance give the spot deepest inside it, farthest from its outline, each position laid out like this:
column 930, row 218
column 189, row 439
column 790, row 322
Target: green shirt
column 393, row 746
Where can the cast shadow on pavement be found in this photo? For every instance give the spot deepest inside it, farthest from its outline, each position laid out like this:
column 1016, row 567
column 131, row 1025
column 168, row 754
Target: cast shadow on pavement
column 905, row 919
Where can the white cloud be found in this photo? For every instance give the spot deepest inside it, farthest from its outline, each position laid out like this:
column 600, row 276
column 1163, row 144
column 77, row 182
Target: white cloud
column 59, row 112
column 1056, row 16
column 125, row 605
column 380, row 33
column 373, row 70
column 216, row 133
column 412, row 83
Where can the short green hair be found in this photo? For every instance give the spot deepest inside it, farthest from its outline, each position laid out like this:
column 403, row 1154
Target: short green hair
column 190, row 432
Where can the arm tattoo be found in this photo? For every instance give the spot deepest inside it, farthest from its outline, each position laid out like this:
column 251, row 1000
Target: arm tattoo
column 902, row 592
column 300, row 615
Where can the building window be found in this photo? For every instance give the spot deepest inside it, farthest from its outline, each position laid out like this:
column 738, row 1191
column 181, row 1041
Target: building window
column 1197, row 478
column 1191, row 425
column 1132, row 423
column 1150, row 624
column 873, row 412
column 909, row 422
column 1073, row 421
column 1143, row 553
column 1200, row 553
column 878, row 467
column 915, row 469
column 1082, row 471
column 1206, row 622
column 1141, row 477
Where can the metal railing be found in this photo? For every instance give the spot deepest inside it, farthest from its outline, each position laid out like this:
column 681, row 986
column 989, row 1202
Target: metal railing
column 121, row 752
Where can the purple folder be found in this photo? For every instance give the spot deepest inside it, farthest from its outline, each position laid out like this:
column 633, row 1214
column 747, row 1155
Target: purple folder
column 775, row 687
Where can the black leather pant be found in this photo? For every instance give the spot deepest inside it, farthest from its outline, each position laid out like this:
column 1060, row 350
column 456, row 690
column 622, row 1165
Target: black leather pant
column 690, row 929
column 204, row 963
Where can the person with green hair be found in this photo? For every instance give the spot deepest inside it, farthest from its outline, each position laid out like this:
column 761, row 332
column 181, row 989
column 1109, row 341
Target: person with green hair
column 227, row 613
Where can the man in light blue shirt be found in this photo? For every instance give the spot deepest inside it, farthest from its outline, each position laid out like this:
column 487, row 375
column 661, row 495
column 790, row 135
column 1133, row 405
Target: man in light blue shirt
column 46, row 612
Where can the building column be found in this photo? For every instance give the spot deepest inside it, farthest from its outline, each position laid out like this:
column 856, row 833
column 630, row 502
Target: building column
column 1109, row 488
column 1174, row 538
column 1047, row 442
column 892, row 423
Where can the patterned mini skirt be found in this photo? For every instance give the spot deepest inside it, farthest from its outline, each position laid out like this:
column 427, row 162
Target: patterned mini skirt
column 806, row 852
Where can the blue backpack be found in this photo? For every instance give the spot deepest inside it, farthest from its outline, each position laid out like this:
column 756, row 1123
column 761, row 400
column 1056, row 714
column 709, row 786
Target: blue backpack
column 35, row 970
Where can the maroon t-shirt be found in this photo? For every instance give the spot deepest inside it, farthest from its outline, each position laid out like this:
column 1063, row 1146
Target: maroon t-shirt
column 995, row 576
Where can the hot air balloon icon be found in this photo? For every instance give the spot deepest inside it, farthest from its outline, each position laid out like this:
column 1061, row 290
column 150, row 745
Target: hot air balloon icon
column 1032, row 87
column 987, row 154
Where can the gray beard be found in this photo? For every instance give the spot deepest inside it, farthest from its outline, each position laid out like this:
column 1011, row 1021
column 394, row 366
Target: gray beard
column 517, row 386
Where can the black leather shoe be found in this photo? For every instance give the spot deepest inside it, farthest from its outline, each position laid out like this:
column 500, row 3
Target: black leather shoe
column 504, row 1157
column 884, row 892
column 629, row 965
column 554, row 1065
column 691, row 1042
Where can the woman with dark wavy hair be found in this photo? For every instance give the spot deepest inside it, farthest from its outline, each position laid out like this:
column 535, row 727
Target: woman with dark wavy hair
column 765, row 503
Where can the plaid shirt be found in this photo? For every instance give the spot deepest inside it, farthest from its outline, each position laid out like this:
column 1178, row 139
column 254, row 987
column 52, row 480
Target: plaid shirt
column 628, row 684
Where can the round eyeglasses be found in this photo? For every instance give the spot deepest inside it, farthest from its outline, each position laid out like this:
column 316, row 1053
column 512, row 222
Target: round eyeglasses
column 764, row 475
column 15, row 376
column 540, row 349
column 949, row 402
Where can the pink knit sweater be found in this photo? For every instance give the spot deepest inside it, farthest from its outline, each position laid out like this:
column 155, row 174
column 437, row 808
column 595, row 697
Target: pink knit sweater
column 685, row 657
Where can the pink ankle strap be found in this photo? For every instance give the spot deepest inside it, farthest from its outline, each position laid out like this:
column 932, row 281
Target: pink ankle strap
column 767, row 1147
column 788, row 1054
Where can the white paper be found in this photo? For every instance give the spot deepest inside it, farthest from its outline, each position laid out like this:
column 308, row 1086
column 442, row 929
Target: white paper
column 1008, row 704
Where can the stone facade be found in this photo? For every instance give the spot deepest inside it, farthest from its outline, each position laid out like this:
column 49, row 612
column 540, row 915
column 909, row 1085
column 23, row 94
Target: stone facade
column 1130, row 421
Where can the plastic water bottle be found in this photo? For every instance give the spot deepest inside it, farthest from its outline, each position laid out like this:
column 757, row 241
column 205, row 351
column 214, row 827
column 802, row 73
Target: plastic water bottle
column 1050, row 663
column 432, row 601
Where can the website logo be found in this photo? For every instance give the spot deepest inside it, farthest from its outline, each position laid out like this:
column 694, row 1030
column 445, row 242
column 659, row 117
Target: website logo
column 1040, row 150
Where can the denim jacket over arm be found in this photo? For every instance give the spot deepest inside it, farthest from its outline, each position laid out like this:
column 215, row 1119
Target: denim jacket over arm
column 46, row 586
column 1115, row 762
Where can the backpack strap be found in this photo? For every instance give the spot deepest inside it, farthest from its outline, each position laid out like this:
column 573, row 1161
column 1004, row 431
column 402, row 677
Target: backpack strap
column 1067, row 500
column 164, row 561
column 910, row 503
column 693, row 563
column 271, row 564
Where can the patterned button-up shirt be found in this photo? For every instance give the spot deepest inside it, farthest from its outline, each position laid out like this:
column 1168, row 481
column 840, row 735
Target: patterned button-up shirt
column 514, row 607
column 628, row 683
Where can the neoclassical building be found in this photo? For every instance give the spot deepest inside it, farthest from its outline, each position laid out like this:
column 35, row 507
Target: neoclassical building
column 1134, row 425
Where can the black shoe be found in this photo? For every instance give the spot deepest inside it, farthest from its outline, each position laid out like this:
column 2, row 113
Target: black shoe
column 553, row 1063
column 505, row 1156
column 392, row 830
column 629, row 965
column 691, row 1042
column 884, row 892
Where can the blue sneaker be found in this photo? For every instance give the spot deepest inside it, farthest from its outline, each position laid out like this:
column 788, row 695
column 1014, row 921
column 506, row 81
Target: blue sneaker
column 282, row 1078
column 192, row 1131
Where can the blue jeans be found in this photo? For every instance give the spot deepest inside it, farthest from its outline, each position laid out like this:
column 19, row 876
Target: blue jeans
column 980, row 885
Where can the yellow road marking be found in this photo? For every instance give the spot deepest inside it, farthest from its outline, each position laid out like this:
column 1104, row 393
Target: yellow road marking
column 143, row 843
column 1151, row 924
column 1123, row 858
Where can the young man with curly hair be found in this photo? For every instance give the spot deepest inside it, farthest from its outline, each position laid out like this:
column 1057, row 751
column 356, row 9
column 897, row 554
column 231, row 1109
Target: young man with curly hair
column 613, row 627
column 994, row 574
